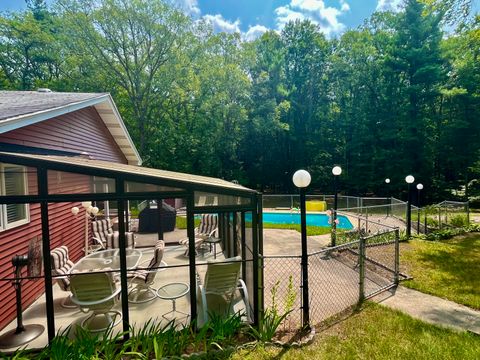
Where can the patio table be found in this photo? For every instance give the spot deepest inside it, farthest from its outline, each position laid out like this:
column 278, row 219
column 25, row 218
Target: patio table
column 173, row 291
column 106, row 259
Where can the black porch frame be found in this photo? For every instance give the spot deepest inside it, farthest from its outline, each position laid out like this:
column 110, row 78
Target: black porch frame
column 43, row 165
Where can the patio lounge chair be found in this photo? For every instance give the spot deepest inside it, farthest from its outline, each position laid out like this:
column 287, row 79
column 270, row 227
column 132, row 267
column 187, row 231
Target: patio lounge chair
column 106, row 238
column 208, row 228
column 61, row 265
column 98, row 293
column 217, row 292
column 141, row 280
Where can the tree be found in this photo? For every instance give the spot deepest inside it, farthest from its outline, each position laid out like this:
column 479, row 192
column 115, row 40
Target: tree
column 417, row 62
column 131, row 41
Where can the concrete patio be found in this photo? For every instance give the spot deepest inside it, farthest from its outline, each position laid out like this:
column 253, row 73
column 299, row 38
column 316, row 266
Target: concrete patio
column 177, row 271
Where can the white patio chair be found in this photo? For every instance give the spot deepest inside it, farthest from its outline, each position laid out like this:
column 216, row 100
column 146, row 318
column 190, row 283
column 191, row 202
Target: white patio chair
column 142, row 280
column 96, row 292
column 216, row 294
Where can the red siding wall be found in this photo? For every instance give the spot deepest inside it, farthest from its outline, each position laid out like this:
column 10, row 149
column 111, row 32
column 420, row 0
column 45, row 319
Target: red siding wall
column 80, row 131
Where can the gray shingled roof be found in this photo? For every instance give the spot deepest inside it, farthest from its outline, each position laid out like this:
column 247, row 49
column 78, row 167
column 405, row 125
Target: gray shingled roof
column 18, row 103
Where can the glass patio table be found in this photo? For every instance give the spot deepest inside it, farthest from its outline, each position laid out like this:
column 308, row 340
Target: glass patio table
column 106, row 259
column 173, row 291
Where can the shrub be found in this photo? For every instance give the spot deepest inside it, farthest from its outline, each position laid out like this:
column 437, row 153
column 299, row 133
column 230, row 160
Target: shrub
column 458, row 221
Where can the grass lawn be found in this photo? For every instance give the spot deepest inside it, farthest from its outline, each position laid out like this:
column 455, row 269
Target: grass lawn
column 311, row 230
column 449, row 268
column 377, row 333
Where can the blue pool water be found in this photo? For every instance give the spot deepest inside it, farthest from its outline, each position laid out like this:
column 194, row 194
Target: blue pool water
column 312, row 219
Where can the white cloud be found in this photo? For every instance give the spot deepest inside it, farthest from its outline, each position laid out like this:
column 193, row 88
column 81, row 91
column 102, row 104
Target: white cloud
column 189, row 6
column 254, row 32
column 344, row 6
column 326, row 17
column 220, row 24
column 388, row 5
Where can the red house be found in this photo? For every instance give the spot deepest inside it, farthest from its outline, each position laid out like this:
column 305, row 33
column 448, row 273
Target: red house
column 45, row 122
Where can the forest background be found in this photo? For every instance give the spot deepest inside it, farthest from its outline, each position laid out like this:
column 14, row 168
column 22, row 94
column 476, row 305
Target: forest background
column 399, row 95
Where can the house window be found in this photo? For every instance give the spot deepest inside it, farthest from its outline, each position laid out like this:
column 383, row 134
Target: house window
column 13, row 180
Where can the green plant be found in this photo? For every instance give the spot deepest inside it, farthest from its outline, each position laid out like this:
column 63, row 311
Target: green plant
column 444, row 234
column 473, row 228
column 272, row 318
column 134, row 212
column 223, row 330
column 21, row 354
column 152, row 339
column 459, row 220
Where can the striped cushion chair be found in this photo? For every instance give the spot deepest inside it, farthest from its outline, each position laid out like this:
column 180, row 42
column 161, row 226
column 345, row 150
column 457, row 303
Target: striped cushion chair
column 208, row 228
column 141, row 280
column 61, row 266
column 104, row 235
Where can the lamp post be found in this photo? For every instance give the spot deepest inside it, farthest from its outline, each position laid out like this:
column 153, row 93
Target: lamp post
column 336, row 171
column 419, row 188
column 409, row 180
column 387, row 181
column 89, row 212
column 302, row 179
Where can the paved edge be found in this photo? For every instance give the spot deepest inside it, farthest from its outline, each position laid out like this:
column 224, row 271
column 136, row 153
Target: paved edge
column 431, row 309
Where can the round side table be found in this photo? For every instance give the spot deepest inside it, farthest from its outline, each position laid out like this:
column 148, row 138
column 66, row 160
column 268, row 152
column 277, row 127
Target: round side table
column 173, row 291
column 213, row 241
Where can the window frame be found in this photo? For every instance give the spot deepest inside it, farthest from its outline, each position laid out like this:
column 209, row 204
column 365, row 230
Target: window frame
column 4, row 224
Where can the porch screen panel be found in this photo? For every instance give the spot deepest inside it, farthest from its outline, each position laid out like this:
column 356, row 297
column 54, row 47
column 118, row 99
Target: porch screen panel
column 212, row 199
column 132, row 186
column 14, row 242
column 249, row 257
column 61, row 182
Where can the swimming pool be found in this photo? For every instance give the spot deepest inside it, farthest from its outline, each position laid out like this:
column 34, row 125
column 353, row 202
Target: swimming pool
column 312, row 219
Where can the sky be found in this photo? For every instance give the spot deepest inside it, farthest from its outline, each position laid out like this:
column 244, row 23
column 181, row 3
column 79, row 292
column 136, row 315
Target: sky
column 253, row 17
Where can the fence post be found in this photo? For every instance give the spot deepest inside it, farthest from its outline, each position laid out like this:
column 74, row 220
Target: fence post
column 305, row 299
column 361, row 268
column 468, row 213
column 418, row 221
column 426, row 229
column 366, row 220
column 440, row 217
column 397, row 257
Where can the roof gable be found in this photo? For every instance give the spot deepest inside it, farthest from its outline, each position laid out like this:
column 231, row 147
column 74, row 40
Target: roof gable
column 23, row 108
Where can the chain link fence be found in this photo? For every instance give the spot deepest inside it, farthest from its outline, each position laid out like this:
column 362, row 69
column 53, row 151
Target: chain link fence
column 339, row 277
column 333, row 281
column 282, row 287
column 444, row 215
column 287, row 202
column 363, row 263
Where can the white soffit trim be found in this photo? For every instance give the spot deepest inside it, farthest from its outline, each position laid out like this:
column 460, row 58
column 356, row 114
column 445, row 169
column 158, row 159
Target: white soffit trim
column 113, row 121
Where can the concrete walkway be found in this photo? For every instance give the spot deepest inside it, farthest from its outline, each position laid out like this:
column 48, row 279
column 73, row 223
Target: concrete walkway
column 431, row 309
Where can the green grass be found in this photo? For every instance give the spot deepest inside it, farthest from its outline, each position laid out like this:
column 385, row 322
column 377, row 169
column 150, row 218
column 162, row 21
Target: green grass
column 311, row 230
column 377, row 333
column 449, row 269
column 181, row 222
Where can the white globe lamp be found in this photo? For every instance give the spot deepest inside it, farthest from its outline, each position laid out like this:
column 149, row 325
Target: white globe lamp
column 301, row 178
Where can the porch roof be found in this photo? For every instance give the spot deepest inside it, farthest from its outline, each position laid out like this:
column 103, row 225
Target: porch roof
column 82, row 164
